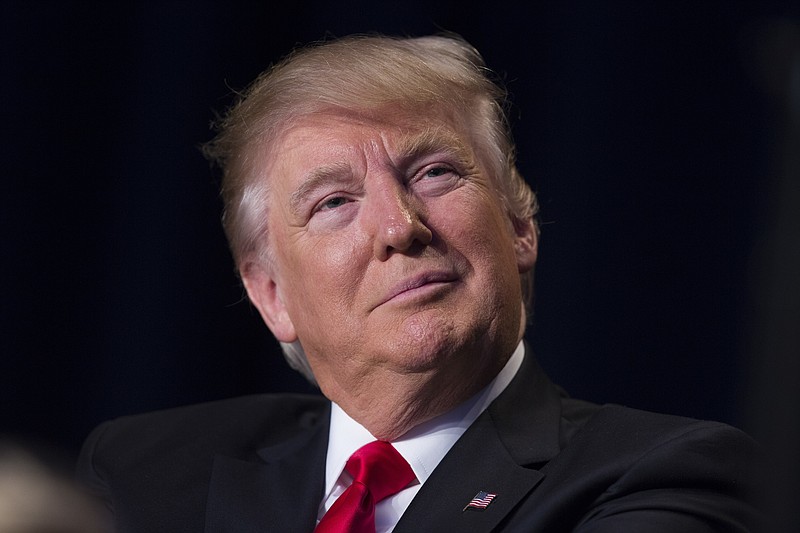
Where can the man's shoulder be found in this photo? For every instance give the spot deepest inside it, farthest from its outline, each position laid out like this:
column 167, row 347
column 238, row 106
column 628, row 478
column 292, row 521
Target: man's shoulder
column 621, row 430
column 627, row 469
column 640, row 428
column 147, row 466
column 222, row 426
column 625, row 439
column 278, row 407
column 625, row 429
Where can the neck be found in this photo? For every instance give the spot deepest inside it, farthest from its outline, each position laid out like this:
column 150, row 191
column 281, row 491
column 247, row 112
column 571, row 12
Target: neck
column 389, row 404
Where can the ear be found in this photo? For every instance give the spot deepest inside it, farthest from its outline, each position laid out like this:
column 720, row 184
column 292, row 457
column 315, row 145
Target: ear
column 264, row 293
column 526, row 244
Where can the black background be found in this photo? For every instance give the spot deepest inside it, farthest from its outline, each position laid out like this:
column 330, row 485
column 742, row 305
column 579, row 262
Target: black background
column 656, row 134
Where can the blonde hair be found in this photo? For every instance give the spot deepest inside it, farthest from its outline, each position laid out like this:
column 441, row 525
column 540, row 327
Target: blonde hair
column 359, row 73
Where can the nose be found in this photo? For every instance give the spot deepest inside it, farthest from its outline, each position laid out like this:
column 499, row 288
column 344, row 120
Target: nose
column 397, row 221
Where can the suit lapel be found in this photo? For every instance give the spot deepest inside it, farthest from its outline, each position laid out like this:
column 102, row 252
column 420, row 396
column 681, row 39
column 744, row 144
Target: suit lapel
column 478, row 462
column 500, row 454
column 277, row 489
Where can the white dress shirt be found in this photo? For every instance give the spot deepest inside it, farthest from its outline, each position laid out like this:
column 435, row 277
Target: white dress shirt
column 423, row 447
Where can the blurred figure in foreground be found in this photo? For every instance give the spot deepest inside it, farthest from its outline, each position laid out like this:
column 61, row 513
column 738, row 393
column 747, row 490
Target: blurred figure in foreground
column 36, row 499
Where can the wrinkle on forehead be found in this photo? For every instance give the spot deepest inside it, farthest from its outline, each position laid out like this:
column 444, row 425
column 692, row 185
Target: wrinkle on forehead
column 402, row 135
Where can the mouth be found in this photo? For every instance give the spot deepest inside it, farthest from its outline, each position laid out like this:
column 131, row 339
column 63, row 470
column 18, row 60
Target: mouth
column 420, row 286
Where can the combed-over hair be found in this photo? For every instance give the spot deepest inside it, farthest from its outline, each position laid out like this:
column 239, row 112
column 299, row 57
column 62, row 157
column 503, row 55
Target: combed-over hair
column 358, row 73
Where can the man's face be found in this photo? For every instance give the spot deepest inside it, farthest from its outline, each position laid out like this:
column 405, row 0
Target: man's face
column 392, row 253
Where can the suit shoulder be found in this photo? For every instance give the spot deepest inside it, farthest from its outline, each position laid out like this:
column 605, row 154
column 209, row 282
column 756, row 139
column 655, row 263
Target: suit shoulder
column 223, row 426
column 626, row 469
column 617, row 423
column 277, row 410
column 276, row 407
column 644, row 446
column 146, row 466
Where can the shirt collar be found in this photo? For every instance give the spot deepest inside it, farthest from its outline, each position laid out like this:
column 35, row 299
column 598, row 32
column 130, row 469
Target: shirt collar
column 425, row 445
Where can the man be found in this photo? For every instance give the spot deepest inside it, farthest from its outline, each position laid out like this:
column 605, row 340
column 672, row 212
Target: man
column 382, row 230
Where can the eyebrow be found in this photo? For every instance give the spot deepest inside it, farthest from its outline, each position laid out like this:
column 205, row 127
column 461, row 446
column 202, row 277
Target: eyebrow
column 316, row 179
column 433, row 140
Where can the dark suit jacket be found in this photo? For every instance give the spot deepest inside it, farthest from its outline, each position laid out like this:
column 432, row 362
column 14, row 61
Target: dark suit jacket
column 256, row 464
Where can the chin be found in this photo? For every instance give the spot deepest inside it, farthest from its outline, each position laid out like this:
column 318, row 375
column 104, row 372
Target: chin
column 423, row 343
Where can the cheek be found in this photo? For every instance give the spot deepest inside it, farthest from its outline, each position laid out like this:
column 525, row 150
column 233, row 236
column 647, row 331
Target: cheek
column 325, row 273
column 484, row 237
column 475, row 224
column 339, row 257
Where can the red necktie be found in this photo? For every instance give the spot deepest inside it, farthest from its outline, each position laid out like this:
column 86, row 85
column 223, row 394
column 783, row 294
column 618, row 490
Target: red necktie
column 378, row 471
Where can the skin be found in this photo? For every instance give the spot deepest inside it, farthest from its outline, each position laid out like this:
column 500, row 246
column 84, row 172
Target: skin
column 394, row 263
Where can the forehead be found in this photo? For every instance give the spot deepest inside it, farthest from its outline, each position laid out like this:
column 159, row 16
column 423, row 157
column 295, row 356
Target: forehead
column 338, row 135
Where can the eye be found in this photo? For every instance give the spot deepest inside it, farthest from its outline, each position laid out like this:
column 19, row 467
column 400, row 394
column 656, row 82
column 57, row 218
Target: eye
column 435, row 179
column 333, row 203
column 435, row 172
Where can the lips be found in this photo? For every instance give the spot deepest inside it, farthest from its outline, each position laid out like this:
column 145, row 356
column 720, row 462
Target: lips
column 417, row 284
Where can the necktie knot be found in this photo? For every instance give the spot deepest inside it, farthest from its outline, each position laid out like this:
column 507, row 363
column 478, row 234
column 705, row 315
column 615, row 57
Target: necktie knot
column 378, row 471
column 380, row 468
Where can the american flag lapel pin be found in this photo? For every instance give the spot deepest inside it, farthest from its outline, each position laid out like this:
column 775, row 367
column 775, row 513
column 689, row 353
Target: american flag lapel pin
column 480, row 501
